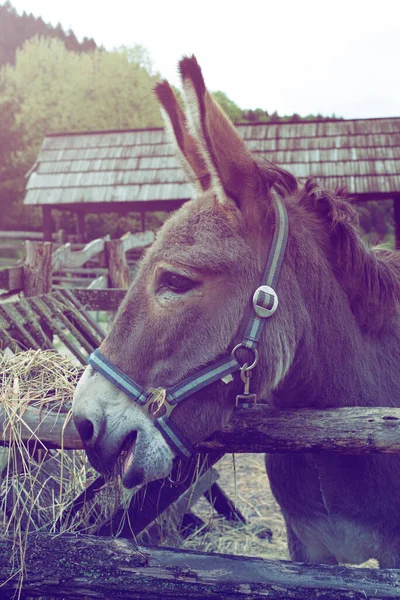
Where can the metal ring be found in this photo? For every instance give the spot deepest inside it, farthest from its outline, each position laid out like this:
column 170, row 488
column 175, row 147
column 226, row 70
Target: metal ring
column 242, row 345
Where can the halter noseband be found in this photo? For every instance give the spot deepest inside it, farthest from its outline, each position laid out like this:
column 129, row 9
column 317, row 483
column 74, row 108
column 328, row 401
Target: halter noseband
column 265, row 302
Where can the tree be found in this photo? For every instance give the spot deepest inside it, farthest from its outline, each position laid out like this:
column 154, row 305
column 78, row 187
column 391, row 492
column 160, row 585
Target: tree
column 228, row 106
column 59, row 90
column 56, row 90
column 15, row 29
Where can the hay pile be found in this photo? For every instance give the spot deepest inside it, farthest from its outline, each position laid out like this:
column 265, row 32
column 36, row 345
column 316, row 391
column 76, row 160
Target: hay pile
column 39, row 485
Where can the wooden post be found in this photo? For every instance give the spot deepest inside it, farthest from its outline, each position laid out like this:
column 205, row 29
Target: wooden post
column 116, row 264
column 396, row 214
column 81, row 229
column 47, row 223
column 61, row 237
column 37, row 268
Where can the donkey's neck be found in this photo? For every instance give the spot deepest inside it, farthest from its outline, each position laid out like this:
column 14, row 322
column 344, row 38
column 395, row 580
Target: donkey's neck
column 337, row 362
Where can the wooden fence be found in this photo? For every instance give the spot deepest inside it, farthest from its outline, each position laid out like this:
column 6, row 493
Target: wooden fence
column 100, row 264
column 81, row 565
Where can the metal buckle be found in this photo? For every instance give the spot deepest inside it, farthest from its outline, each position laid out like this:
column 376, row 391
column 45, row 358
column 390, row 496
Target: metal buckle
column 261, row 310
column 253, row 350
column 245, row 400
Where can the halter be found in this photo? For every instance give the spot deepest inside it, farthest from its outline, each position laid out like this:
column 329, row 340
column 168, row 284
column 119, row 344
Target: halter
column 265, row 303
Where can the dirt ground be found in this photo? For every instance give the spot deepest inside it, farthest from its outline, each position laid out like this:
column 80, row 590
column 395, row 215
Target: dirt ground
column 243, row 479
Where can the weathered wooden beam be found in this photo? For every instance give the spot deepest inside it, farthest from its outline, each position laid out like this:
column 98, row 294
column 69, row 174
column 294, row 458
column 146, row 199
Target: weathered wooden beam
column 47, row 223
column 21, row 235
column 37, row 268
column 263, row 429
column 137, row 240
column 118, row 270
column 81, row 566
column 350, row 430
column 100, row 283
column 151, row 500
column 65, row 258
column 81, row 226
column 69, row 296
column 396, row 215
column 99, row 299
column 11, row 278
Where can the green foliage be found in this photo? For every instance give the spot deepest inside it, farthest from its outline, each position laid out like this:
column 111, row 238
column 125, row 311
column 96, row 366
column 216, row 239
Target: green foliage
column 59, row 90
column 52, row 89
column 377, row 220
column 228, row 106
column 15, row 29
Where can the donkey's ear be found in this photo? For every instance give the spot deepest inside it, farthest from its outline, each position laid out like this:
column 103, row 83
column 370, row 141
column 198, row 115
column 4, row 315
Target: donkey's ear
column 186, row 147
column 227, row 157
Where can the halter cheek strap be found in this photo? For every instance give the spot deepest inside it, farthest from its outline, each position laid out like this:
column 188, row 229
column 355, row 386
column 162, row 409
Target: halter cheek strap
column 265, row 303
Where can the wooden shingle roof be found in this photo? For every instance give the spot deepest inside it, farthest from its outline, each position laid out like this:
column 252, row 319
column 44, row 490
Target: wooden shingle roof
column 139, row 166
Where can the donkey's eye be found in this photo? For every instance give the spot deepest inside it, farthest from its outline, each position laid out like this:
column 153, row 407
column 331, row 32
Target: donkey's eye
column 177, row 283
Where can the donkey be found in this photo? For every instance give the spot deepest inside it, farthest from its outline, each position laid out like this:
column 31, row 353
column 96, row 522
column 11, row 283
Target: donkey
column 333, row 340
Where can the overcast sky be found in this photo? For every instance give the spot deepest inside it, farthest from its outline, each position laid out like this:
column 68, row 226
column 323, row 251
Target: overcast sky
column 308, row 56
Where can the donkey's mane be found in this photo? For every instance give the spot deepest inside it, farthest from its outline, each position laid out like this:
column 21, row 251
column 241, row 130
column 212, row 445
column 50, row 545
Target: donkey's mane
column 370, row 276
column 283, row 182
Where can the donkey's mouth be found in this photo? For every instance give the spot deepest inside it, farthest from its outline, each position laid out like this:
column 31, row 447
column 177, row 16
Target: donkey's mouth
column 127, row 454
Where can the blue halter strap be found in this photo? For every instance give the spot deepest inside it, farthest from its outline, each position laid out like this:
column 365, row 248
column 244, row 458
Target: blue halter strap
column 265, row 303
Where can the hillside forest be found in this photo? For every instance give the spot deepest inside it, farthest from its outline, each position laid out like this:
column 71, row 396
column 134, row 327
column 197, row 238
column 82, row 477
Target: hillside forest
column 50, row 82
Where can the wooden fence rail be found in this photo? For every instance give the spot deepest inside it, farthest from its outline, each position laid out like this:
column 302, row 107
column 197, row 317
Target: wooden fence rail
column 261, row 429
column 82, row 566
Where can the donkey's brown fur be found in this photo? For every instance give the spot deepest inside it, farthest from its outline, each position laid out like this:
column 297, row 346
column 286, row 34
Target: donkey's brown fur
column 334, row 340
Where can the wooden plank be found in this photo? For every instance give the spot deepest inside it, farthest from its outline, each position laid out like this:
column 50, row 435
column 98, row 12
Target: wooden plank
column 73, row 281
column 80, row 320
column 222, row 504
column 54, row 427
column 75, row 302
column 350, row 430
column 82, row 566
column 7, row 340
column 118, row 270
column 44, row 311
column 11, row 278
column 28, row 313
column 99, row 299
column 90, row 271
column 396, row 216
column 17, row 321
column 37, row 268
column 81, row 226
column 154, row 498
column 57, row 308
column 100, row 283
column 137, row 240
column 47, row 223
column 21, row 235
column 64, row 257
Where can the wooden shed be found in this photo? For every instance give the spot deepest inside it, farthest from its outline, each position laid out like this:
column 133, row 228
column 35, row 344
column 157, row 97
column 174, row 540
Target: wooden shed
column 136, row 170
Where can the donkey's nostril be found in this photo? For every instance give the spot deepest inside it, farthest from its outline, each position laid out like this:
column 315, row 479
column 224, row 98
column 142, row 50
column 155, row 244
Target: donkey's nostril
column 85, row 429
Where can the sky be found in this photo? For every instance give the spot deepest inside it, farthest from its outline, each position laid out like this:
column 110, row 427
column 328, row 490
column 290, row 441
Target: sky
column 308, row 56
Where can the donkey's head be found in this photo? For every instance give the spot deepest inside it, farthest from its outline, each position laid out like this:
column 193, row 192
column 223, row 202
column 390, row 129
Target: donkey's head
column 191, row 299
